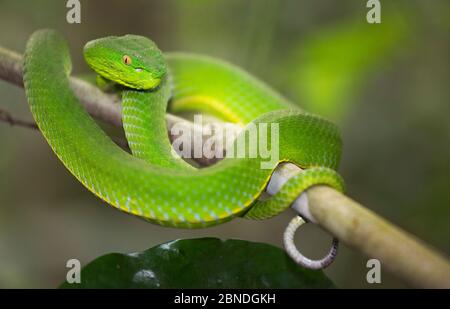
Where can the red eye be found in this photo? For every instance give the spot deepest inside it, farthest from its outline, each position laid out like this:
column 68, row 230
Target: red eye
column 126, row 59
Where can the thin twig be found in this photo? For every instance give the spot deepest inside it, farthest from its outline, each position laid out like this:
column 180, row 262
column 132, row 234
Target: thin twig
column 400, row 253
column 8, row 118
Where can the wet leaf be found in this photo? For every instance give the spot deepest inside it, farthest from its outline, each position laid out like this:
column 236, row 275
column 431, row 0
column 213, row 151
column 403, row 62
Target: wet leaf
column 200, row 263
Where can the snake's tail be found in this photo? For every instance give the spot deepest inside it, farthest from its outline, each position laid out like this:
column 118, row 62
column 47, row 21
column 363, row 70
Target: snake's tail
column 291, row 249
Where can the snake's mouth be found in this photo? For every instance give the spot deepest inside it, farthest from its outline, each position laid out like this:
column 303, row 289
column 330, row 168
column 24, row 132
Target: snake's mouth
column 151, row 84
column 141, row 80
column 147, row 83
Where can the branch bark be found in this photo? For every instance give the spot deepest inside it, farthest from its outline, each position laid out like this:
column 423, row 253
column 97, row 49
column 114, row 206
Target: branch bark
column 399, row 252
column 100, row 105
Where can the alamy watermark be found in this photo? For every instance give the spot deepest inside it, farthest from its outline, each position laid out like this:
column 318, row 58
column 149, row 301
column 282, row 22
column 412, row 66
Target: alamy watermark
column 73, row 16
column 74, row 13
column 374, row 14
column 211, row 139
column 374, row 273
column 74, row 273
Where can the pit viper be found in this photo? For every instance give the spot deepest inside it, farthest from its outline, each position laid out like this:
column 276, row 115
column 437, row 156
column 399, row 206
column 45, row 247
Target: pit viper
column 150, row 182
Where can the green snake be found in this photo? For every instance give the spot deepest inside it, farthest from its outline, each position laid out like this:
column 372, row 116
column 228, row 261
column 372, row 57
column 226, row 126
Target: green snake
column 151, row 182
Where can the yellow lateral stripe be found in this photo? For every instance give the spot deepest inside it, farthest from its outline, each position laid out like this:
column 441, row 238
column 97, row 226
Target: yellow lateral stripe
column 207, row 104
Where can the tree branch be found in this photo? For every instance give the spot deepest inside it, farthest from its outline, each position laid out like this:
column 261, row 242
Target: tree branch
column 100, row 105
column 399, row 252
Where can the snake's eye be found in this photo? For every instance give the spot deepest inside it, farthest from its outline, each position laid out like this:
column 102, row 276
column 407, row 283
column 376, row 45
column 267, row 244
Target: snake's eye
column 126, row 59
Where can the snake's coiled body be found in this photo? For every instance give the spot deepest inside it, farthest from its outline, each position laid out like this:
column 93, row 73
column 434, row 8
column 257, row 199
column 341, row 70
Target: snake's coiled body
column 152, row 183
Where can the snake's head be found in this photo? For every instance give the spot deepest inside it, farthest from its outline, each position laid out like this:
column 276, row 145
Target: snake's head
column 131, row 60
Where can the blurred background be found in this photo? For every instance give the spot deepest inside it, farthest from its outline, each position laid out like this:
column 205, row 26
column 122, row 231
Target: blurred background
column 386, row 85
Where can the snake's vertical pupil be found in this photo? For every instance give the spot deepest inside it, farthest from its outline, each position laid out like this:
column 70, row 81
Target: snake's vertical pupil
column 126, row 59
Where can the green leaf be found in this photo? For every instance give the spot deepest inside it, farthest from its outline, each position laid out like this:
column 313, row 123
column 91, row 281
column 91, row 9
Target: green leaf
column 200, row 263
column 328, row 69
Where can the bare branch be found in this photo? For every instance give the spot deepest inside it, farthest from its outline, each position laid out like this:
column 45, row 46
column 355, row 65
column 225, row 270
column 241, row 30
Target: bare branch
column 398, row 251
column 100, row 105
